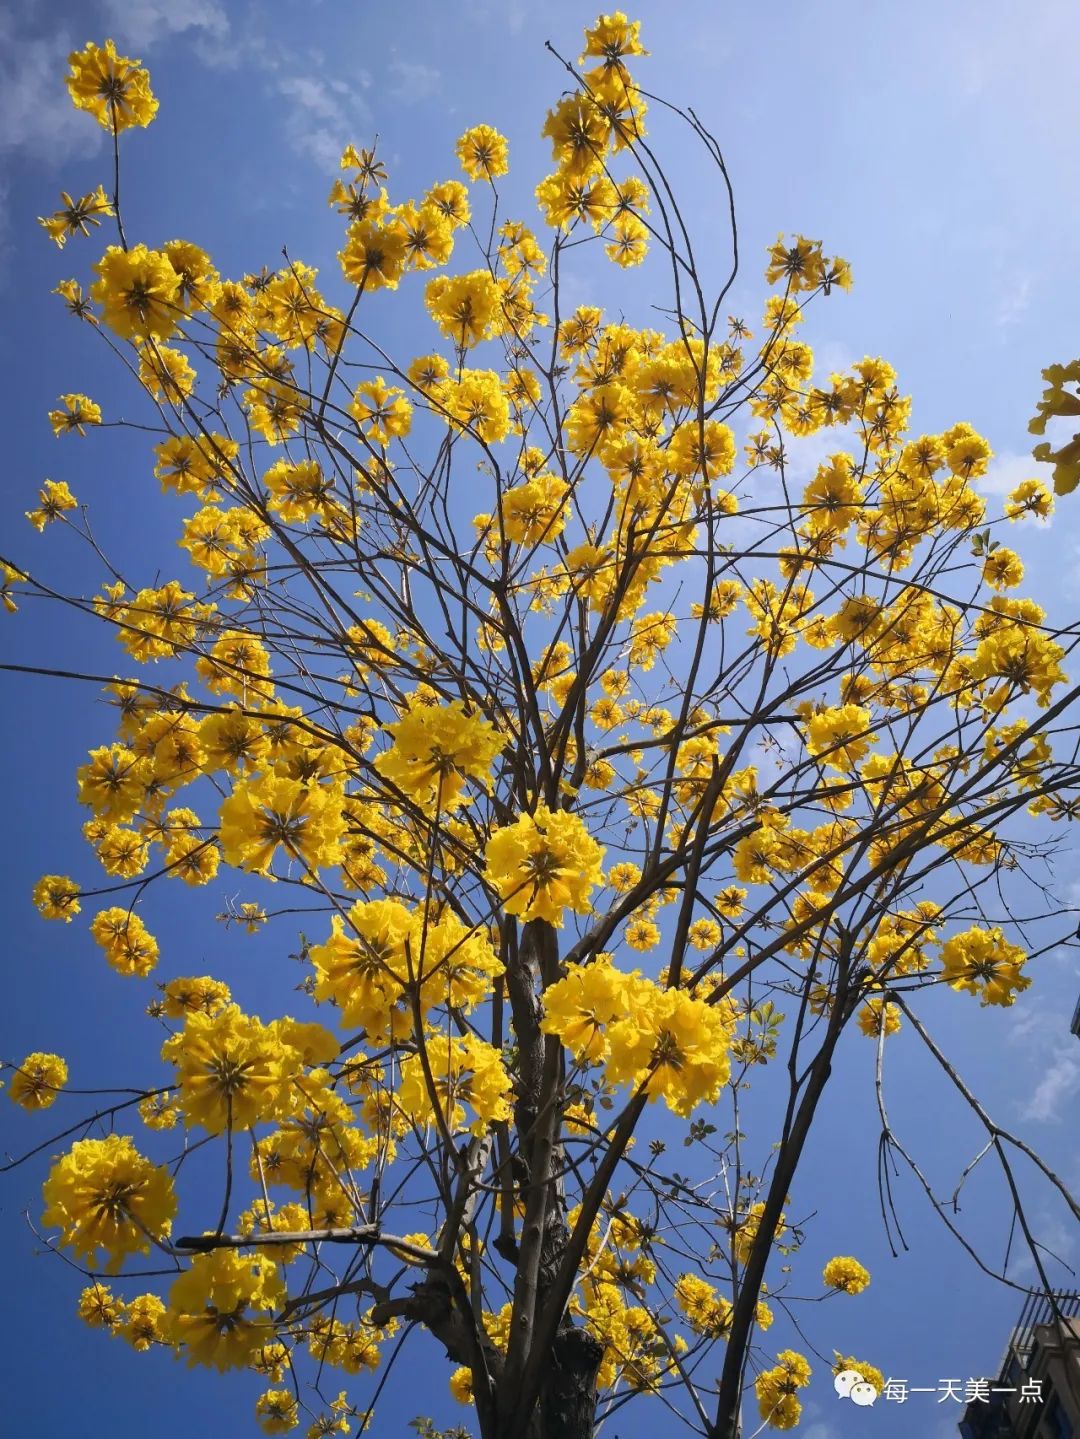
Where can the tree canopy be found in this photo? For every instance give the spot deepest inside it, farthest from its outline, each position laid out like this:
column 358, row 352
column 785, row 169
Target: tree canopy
column 606, row 768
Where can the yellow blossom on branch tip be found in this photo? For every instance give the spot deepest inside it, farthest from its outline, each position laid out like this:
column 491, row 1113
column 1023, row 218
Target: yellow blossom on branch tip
column 845, row 1274
column 57, row 897
column 76, row 217
column 105, row 1197
column 112, row 88
column 483, row 153
column 37, row 1081
column 78, row 411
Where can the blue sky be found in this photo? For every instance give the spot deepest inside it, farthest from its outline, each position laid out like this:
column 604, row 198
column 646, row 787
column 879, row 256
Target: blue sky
column 936, row 152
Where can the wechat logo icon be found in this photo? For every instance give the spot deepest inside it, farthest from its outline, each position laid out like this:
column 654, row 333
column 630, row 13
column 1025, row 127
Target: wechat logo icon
column 850, row 1384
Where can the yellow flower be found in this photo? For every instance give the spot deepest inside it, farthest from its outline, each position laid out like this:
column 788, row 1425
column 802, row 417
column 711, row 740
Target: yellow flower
column 138, row 291
column 232, row 1070
column 465, row 1071
column 846, row 1274
column 840, row 735
column 675, row 1045
column 746, row 1231
column 374, row 254
column 9, row 576
column 277, row 1411
column 271, row 812
column 580, row 1008
column 105, row 1196
column 220, row 1310
column 776, row 1389
column 129, row 947
column 37, row 1081
column 467, row 308
column 142, row 1322
column 707, row 1312
column 76, row 216
column 483, row 153
column 78, row 412
column 543, row 864
column 275, row 409
column 612, row 38
column 1030, row 497
column 100, row 1308
column 194, row 996
column 363, row 971
column 870, row 1374
column 876, row 1016
column 477, row 403
column 57, row 897
column 642, row 933
column 166, row 373
column 382, row 413
column 535, row 512
column 112, row 88
column 983, row 962
column 800, row 264
column 436, row 749
column 1002, row 569
column 113, row 782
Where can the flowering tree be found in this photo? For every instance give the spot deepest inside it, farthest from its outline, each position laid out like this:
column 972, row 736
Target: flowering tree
column 657, row 770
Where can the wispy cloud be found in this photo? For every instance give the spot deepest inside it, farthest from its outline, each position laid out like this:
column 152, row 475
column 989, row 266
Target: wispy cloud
column 413, row 81
column 324, row 115
column 1056, row 1241
column 511, row 13
column 1059, row 1083
column 1005, row 473
column 1014, row 302
column 146, row 23
column 37, row 118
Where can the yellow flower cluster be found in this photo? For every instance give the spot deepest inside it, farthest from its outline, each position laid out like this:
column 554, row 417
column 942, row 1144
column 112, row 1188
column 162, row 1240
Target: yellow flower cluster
column 112, row 88
column 56, row 897
column 667, row 1042
column 273, row 812
column 37, row 1081
column 233, row 1071
column 845, row 1274
column 106, row 1198
column 983, row 962
column 436, row 749
column 777, row 1390
column 220, row 1310
column 129, row 946
column 465, row 1072
column 54, row 500
column 382, row 953
column 544, row 864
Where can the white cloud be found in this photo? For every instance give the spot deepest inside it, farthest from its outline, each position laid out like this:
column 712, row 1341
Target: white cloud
column 142, row 23
column 806, row 452
column 413, row 81
column 37, row 118
column 324, row 115
column 1005, row 473
column 1023, row 1023
column 1059, row 1083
